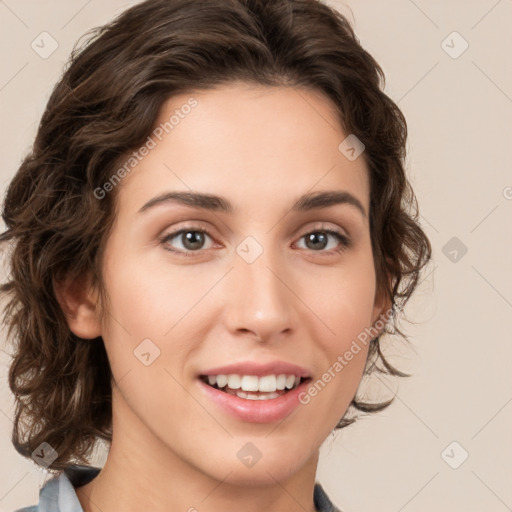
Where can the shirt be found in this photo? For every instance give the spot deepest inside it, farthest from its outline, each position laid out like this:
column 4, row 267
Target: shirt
column 58, row 494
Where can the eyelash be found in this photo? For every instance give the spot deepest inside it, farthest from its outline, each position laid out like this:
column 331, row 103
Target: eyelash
column 344, row 241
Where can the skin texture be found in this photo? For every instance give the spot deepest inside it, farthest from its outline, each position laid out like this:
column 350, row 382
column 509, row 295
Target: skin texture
column 261, row 148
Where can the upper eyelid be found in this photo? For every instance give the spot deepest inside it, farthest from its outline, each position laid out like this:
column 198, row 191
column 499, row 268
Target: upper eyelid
column 320, row 226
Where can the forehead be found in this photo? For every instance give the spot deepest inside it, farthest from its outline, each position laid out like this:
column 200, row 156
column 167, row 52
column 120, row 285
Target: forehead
column 250, row 143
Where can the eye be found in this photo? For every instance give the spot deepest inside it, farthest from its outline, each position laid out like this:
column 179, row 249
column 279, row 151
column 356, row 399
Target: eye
column 187, row 239
column 190, row 240
column 318, row 241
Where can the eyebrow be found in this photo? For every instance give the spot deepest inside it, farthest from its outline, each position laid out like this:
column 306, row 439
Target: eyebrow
column 307, row 202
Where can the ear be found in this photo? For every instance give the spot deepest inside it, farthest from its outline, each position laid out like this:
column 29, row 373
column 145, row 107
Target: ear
column 381, row 310
column 79, row 301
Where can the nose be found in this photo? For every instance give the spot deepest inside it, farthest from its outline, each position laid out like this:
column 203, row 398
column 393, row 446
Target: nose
column 260, row 301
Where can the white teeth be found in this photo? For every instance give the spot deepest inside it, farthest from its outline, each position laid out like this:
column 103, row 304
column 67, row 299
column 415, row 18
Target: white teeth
column 250, row 383
column 268, row 383
column 222, row 380
column 281, row 381
column 234, row 381
column 245, row 383
column 252, row 396
column 290, row 381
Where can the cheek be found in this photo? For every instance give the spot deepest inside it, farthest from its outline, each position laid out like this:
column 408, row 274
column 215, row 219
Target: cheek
column 343, row 298
column 345, row 305
column 149, row 336
column 150, row 298
column 155, row 323
column 342, row 358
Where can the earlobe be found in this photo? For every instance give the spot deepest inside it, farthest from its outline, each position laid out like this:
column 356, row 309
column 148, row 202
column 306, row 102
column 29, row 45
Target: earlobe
column 79, row 302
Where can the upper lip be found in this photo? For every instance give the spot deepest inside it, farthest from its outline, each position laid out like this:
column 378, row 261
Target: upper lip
column 259, row 369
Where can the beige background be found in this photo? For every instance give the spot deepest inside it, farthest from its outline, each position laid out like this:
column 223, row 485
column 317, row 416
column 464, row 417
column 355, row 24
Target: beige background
column 459, row 112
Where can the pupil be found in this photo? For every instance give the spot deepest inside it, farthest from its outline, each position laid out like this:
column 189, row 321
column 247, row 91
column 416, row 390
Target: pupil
column 314, row 238
column 193, row 239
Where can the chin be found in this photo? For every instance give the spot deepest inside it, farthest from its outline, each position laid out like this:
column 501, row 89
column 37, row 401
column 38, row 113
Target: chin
column 261, row 474
column 252, row 467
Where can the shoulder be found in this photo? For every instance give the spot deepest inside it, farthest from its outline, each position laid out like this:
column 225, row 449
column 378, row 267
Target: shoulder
column 58, row 494
column 322, row 501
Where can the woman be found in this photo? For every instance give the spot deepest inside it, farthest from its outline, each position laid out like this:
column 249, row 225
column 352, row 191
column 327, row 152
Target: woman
column 211, row 233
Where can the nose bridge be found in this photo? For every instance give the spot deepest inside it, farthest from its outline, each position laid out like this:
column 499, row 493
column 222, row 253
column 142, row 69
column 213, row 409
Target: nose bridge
column 260, row 300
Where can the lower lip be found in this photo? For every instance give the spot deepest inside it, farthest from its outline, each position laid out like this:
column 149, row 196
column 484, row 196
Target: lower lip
column 255, row 411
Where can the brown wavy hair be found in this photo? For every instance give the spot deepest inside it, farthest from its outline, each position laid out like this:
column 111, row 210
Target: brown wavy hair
column 105, row 106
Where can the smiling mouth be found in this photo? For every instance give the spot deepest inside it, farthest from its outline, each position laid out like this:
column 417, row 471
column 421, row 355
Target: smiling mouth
column 252, row 387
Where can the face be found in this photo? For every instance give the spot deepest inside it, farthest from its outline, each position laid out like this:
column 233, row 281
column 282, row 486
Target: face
column 253, row 290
